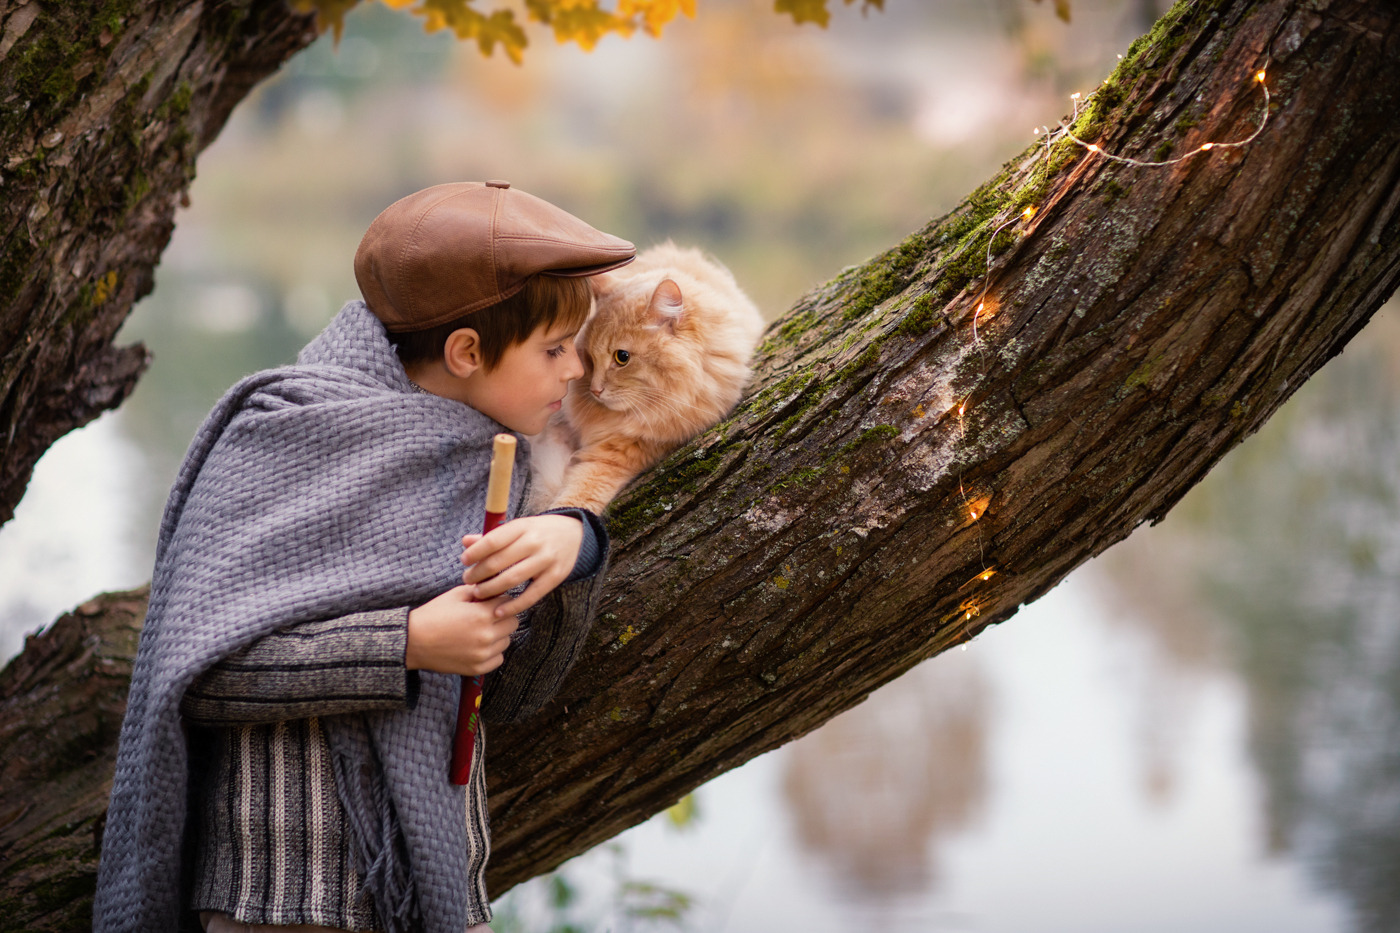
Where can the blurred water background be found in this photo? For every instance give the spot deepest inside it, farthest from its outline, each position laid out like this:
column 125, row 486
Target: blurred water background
column 1199, row 731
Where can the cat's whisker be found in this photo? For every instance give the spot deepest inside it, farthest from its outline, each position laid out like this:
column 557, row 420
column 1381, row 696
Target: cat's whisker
column 660, row 397
column 659, row 411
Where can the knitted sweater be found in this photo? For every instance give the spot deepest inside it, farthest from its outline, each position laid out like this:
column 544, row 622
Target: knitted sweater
column 313, row 492
column 270, row 839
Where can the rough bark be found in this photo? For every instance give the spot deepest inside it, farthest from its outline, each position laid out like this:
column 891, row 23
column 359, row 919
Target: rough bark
column 103, row 108
column 61, row 706
column 839, row 527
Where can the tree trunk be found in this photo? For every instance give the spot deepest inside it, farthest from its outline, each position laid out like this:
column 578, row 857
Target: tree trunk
column 103, row 108
column 900, row 476
column 61, row 707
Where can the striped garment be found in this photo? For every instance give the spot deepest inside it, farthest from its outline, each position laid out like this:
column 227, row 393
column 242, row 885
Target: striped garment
column 271, row 839
column 272, row 843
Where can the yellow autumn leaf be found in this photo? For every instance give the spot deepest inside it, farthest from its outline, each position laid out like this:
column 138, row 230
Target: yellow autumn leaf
column 501, row 27
column 655, row 14
column 683, row 812
column 804, row 11
column 1061, row 9
column 498, row 28
column 580, row 21
column 330, row 14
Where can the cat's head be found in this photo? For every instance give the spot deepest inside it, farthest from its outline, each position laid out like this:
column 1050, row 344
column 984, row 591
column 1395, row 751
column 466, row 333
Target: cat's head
column 637, row 350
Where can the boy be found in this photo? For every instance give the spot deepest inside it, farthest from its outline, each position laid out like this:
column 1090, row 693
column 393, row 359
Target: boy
column 284, row 757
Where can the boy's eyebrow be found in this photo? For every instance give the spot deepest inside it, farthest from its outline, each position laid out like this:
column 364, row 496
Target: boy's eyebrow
column 557, row 337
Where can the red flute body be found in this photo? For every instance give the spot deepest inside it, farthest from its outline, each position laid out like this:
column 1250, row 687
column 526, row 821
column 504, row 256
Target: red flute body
column 469, row 708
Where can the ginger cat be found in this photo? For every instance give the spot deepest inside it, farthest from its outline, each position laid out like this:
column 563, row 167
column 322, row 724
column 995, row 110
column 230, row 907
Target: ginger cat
column 665, row 354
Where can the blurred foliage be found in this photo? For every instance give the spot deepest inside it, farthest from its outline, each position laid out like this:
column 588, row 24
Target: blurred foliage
column 815, row 11
column 684, row 813
column 557, row 903
column 580, row 21
column 1061, row 9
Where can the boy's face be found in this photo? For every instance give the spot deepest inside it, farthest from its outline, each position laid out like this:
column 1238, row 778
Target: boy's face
column 530, row 381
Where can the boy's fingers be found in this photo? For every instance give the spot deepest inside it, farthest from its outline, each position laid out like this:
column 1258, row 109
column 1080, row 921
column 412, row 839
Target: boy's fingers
column 533, row 594
column 486, row 545
column 525, row 600
column 505, row 581
column 504, row 563
column 494, row 563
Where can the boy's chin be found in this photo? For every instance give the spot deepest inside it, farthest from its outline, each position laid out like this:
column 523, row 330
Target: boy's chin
column 533, row 426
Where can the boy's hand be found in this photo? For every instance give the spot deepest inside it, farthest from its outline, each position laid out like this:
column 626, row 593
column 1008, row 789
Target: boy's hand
column 540, row 548
column 455, row 634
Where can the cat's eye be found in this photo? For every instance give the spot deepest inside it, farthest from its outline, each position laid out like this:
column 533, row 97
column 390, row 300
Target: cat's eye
column 620, row 357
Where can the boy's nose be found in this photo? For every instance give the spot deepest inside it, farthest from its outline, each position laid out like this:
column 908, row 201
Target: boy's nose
column 576, row 371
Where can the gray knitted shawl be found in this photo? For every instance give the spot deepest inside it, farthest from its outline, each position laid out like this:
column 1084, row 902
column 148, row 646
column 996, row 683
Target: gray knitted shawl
column 311, row 491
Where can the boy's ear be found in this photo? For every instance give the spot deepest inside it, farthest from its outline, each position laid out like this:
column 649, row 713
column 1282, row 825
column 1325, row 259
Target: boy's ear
column 666, row 305
column 461, row 352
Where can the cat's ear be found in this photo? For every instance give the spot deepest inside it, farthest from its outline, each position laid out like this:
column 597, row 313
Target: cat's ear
column 666, row 305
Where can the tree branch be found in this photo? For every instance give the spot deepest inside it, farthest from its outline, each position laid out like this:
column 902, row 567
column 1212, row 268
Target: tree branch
column 103, row 109
column 822, row 540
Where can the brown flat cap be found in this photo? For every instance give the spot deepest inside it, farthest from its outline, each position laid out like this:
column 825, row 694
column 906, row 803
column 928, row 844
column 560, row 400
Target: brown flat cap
column 453, row 249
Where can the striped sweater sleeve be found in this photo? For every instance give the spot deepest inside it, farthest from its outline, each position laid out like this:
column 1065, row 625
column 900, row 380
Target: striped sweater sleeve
column 350, row 664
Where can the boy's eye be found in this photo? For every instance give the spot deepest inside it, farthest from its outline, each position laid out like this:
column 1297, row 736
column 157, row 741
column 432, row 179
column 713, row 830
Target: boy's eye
column 557, row 351
column 620, row 357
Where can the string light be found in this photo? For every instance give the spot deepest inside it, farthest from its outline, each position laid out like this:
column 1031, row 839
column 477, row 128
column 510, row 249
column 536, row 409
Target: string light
column 982, row 577
column 1064, row 130
column 970, row 608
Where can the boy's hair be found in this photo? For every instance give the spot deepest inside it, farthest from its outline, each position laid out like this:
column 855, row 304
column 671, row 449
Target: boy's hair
column 544, row 302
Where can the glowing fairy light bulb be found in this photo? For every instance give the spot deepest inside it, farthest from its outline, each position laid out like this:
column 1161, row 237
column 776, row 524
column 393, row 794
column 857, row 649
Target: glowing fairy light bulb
column 1259, row 77
column 974, row 514
column 1029, row 212
column 986, row 574
column 1207, row 146
column 962, row 407
column 1092, row 147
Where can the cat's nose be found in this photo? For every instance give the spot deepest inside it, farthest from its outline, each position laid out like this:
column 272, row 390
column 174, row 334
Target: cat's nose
column 595, row 390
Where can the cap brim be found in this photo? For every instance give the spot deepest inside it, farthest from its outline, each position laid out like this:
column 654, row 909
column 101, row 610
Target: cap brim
column 581, row 271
